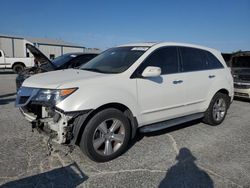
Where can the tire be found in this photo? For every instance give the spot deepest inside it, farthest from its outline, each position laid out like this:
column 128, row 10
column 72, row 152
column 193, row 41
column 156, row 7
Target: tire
column 214, row 114
column 97, row 140
column 17, row 68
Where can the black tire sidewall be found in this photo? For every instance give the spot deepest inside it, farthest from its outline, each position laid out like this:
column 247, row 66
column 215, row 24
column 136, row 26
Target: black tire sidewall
column 86, row 143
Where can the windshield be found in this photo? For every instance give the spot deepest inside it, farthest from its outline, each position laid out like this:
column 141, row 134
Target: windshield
column 241, row 62
column 61, row 60
column 114, row 60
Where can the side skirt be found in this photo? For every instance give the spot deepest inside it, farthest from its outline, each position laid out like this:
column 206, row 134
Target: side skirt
column 169, row 123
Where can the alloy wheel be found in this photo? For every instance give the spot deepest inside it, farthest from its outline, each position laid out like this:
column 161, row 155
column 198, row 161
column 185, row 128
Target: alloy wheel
column 108, row 136
column 219, row 109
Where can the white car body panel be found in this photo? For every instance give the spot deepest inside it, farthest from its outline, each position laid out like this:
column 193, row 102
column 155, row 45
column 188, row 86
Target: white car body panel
column 160, row 99
column 65, row 77
column 105, row 90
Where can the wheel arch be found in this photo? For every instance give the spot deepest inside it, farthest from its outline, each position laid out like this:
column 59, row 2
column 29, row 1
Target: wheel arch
column 18, row 62
column 224, row 91
column 221, row 90
column 123, row 108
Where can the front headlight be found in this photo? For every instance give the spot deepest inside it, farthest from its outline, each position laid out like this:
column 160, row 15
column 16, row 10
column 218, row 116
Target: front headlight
column 52, row 96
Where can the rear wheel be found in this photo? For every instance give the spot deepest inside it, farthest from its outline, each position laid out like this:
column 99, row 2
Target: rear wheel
column 106, row 135
column 217, row 109
column 17, row 68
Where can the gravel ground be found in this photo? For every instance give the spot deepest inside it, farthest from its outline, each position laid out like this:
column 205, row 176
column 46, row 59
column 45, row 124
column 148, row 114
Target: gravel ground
column 189, row 155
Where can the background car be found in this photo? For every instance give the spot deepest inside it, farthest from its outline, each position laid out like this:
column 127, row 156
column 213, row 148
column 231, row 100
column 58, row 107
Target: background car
column 43, row 64
column 239, row 62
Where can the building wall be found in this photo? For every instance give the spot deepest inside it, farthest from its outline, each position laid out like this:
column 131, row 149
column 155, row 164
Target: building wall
column 72, row 49
column 19, row 48
column 49, row 50
column 91, row 50
column 6, row 46
column 15, row 47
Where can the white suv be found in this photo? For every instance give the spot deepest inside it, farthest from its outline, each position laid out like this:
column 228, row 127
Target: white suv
column 100, row 106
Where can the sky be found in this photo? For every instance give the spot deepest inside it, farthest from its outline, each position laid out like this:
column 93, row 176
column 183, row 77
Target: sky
column 220, row 24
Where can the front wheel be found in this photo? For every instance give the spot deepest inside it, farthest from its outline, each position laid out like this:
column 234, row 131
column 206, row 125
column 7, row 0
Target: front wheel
column 217, row 109
column 106, row 136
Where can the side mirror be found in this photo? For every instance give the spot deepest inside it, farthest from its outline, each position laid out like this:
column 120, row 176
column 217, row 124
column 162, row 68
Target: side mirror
column 151, row 71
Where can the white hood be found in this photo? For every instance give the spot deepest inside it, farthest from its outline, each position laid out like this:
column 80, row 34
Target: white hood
column 54, row 79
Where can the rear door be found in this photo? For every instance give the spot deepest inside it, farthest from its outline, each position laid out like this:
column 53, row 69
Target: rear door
column 161, row 98
column 198, row 77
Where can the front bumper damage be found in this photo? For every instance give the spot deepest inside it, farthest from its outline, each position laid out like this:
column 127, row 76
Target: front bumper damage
column 60, row 127
column 49, row 121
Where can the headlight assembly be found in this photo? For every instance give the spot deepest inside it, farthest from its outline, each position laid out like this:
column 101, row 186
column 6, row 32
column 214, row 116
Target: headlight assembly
column 52, row 96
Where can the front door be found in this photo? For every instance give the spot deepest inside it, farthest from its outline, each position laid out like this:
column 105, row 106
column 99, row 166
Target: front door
column 161, row 98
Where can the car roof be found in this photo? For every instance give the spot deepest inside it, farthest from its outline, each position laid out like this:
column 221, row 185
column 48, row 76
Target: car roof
column 142, row 44
column 150, row 44
column 81, row 53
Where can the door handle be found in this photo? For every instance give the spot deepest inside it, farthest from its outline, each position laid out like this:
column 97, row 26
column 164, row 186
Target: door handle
column 177, row 81
column 211, row 76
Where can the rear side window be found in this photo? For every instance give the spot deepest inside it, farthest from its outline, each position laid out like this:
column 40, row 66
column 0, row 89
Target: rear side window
column 192, row 59
column 212, row 62
column 165, row 58
column 0, row 54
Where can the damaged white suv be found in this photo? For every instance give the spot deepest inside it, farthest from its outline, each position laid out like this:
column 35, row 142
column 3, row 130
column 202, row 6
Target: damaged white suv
column 145, row 87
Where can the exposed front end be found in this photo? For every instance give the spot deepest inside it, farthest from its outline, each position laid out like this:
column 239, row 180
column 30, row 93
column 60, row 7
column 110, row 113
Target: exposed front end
column 39, row 107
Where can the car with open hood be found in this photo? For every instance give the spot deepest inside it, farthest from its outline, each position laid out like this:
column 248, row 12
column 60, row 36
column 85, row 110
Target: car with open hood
column 43, row 64
column 239, row 62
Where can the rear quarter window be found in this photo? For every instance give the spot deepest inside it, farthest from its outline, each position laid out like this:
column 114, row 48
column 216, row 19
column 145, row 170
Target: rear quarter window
column 212, row 62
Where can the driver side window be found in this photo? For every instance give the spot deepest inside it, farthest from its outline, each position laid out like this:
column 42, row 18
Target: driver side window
column 166, row 58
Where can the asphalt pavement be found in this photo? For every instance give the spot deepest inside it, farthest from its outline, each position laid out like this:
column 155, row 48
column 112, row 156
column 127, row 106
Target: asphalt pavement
column 189, row 155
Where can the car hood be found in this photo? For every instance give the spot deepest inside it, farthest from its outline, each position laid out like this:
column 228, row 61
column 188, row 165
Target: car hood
column 55, row 79
column 38, row 55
